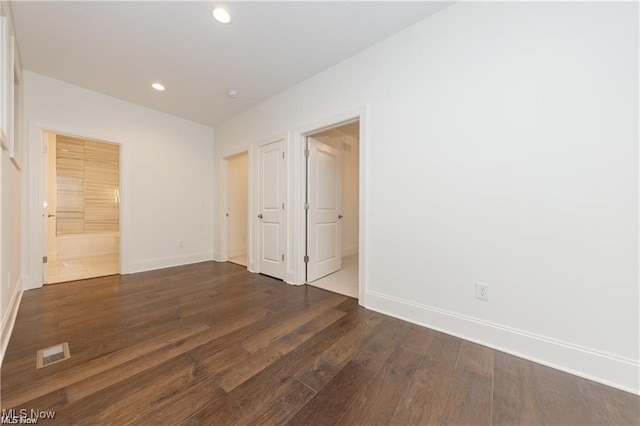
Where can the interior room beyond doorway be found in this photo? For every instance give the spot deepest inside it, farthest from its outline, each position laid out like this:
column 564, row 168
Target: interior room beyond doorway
column 82, row 215
column 345, row 139
column 237, row 207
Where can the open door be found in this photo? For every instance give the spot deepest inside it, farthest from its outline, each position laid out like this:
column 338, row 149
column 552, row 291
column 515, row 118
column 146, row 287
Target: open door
column 324, row 202
column 271, row 226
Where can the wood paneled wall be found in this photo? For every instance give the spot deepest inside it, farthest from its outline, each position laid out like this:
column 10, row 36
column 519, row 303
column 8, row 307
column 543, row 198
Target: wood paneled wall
column 88, row 185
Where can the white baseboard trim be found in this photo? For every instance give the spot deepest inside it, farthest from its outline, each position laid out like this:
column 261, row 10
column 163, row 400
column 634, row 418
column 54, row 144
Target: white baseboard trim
column 168, row 262
column 9, row 318
column 349, row 251
column 618, row 372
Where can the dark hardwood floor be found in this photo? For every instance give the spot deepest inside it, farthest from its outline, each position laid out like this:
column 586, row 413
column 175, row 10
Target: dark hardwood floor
column 210, row 344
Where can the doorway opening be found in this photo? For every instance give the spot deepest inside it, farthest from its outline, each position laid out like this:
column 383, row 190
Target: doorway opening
column 237, row 208
column 82, row 208
column 332, row 208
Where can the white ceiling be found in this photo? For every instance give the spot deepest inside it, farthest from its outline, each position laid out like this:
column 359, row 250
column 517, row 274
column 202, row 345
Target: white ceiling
column 120, row 48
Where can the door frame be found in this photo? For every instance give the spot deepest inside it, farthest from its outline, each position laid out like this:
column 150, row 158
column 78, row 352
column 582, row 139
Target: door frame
column 224, row 205
column 296, row 240
column 34, row 249
column 221, row 253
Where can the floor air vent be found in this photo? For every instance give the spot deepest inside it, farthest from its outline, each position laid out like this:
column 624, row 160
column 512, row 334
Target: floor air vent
column 52, row 355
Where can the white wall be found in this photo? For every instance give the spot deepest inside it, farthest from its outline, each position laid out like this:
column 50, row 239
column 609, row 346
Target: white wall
column 238, row 203
column 166, row 172
column 501, row 146
column 11, row 189
column 11, row 283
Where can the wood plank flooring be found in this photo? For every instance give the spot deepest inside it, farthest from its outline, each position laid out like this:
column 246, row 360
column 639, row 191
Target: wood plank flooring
column 211, row 344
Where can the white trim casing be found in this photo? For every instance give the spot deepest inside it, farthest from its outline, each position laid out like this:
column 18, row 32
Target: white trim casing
column 16, row 138
column 604, row 368
column 296, row 226
column 252, row 250
column 4, row 98
column 34, row 250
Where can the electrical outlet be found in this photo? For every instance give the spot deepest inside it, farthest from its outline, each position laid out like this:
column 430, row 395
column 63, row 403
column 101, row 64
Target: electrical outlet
column 482, row 291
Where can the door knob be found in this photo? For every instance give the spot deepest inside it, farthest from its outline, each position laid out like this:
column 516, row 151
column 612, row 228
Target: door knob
column 51, row 215
column 340, row 216
column 260, row 216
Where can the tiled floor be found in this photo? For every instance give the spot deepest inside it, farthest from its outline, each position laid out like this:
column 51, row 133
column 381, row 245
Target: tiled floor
column 80, row 268
column 345, row 281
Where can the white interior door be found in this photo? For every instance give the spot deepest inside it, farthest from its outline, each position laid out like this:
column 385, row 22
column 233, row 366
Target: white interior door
column 324, row 197
column 271, row 206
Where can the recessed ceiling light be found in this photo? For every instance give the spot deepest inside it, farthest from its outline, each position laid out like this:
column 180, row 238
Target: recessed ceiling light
column 158, row 86
column 221, row 15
